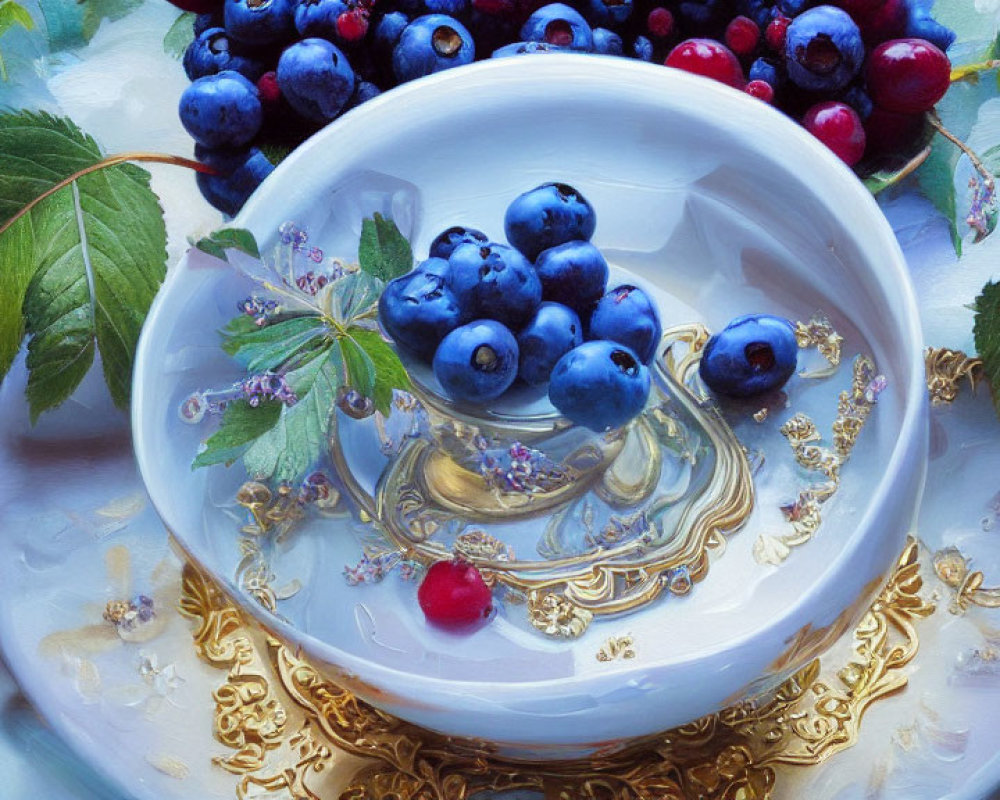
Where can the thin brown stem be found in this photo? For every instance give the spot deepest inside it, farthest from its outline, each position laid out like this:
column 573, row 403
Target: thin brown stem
column 977, row 164
column 110, row 161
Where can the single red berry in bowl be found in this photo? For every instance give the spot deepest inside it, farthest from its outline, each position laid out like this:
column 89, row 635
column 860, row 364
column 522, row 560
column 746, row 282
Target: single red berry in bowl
column 268, row 89
column 774, row 33
column 453, row 595
column 907, row 76
column 839, row 127
column 352, row 25
column 742, row 35
column 709, row 58
column 762, row 90
column 660, row 22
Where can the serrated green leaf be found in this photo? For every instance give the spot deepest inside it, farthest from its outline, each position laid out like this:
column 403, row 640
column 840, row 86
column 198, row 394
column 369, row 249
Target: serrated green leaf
column 17, row 266
column 180, row 35
column 100, row 252
column 986, row 331
column 389, row 370
column 241, row 425
column 217, row 242
column 383, row 251
column 292, row 447
column 270, row 346
column 359, row 366
column 936, row 177
column 37, row 150
column 352, row 296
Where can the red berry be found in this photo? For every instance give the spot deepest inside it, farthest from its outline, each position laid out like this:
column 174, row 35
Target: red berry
column 352, row 25
column 774, row 33
column 267, row 88
column 888, row 132
column 709, row 58
column 888, row 21
column 742, row 35
column 660, row 22
column 762, row 90
column 454, row 595
column 907, row 76
column 198, row 6
column 839, row 127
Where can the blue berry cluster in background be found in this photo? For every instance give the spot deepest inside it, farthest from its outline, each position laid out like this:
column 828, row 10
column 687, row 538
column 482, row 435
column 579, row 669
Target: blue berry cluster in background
column 535, row 311
column 267, row 73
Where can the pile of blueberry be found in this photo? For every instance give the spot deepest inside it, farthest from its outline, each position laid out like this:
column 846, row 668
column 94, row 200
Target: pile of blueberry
column 537, row 311
column 859, row 74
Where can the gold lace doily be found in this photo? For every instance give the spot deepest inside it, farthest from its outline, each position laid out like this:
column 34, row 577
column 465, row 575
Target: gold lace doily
column 286, row 725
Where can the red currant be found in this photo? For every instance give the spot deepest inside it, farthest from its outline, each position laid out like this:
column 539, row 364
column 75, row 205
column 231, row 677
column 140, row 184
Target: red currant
column 267, row 88
column 839, row 127
column 742, row 35
column 907, row 76
column 454, row 595
column 352, row 25
column 762, row 90
column 774, row 33
column 709, row 58
column 660, row 22
column 887, row 22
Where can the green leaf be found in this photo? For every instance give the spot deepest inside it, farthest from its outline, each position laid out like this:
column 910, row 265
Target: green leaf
column 180, row 35
column 270, row 346
column 17, row 265
column 359, row 367
column 986, row 331
column 100, row 255
column 12, row 14
column 63, row 24
column 241, row 425
column 37, row 151
column 217, row 242
column 383, row 251
column 937, row 180
column 96, row 11
column 389, row 370
column 292, row 447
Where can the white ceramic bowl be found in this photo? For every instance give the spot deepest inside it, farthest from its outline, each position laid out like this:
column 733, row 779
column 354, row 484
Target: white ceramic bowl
column 719, row 203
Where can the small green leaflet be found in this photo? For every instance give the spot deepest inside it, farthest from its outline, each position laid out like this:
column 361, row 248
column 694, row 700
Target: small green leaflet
column 180, row 35
column 383, row 251
column 73, row 24
column 241, row 425
column 269, row 347
column 986, row 331
column 12, row 14
column 217, row 242
column 376, row 362
column 97, row 257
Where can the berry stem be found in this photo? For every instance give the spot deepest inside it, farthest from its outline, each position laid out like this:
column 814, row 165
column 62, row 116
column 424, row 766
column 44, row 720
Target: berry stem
column 110, row 161
column 935, row 121
column 971, row 71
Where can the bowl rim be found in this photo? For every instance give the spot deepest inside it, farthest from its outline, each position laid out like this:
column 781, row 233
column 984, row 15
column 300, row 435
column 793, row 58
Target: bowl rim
column 582, row 71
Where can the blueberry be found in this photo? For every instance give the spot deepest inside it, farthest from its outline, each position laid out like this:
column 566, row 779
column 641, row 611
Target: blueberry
column 318, row 18
column 550, row 214
column 702, row 17
column 388, row 30
column 212, row 52
column 607, row 43
column 239, row 173
column 495, row 281
column 608, row 13
column 453, row 8
column 627, row 315
column 552, row 332
column 858, row 99
column 445, row 242
column 560, row 25
column 764, row 69
column 642, row 48
column 921, row 25
column 752, row 355
column 430, row 44
column 363, row 92
column 599, row 385
column 260, row 21
column 823, row 49
column 221, row 110
column 526, row 48
column 316, row 79
column 477, row 362
column 203, row 22
column 418, row 310
column 573, row 274
column 792, row 8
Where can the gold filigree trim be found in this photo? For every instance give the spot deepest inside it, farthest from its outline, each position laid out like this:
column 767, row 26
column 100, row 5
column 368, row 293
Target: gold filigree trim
column 557, row 615
column 726, row 756
column 616, row 647
column 804, row 515
column 953, row 570
column 946, row 369
column 819, row 333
